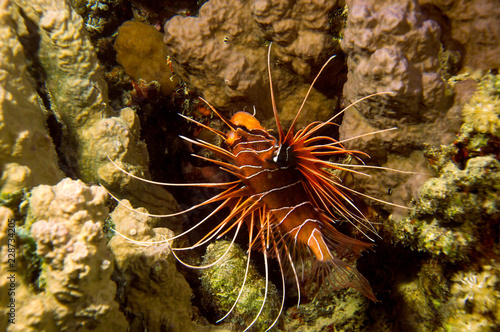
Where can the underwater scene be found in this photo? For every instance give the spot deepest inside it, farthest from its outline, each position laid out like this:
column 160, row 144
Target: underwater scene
column 250, row 165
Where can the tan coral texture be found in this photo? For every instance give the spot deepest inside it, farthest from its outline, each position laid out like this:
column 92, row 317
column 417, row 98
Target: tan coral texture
column 75, row 287
column 393, row 47
column 150, row 269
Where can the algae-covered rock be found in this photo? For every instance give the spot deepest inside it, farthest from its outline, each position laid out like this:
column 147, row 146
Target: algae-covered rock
column 345, row 310
column 453, row 210
column 455, row 223
column 222, row 283
column 63, row 272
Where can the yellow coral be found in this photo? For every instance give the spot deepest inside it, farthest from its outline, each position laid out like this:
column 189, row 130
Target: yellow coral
column 478, row 289
column 469, row 322
column 483, row 109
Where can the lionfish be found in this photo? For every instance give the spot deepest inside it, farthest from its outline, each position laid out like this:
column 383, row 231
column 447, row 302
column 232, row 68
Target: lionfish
column 286, row 196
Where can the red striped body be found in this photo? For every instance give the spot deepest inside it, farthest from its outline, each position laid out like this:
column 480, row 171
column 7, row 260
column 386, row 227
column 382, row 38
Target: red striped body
column 273, row 178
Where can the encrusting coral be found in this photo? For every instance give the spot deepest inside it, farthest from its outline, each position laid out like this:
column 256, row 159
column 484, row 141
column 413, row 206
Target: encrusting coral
column 393, row 46
column 62, row 240
column 27, row 154
column 474, row 26
column 455, row 220
column 64, row 268
column 398, row 46
column 455, row 211
column 73, row 289
column 149, row 269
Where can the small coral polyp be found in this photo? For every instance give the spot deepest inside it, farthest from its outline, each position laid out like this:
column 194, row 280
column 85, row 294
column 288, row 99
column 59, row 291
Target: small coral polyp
column 483, row 109
column 479, row 289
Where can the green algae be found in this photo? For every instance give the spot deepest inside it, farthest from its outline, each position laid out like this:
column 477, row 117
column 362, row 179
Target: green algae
column 482, row 111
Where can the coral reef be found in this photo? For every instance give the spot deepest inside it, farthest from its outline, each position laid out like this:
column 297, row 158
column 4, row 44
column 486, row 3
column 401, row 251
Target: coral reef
column 454, row 210
column 73, row 289
column 482, row 111
column 27, row 154
column 420, row 297
column 455, row 220
column 56, row 118
column 303, row 30
column 91, row 131
column 66, row 260
column 149, row 269
column 140, row 50
column 399, row 46
column 65, row 268
column 222, row 282
column 394, row 46
column 475, row 301
column 222, row 54
column 94, row 13
column 474, row 26
column 344, row 310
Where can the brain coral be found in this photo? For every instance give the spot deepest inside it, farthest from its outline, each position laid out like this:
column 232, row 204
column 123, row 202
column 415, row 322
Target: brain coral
column 222, row 53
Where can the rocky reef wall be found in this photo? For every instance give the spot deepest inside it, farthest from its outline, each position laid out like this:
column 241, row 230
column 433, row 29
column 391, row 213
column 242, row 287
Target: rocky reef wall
column 72, row 118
